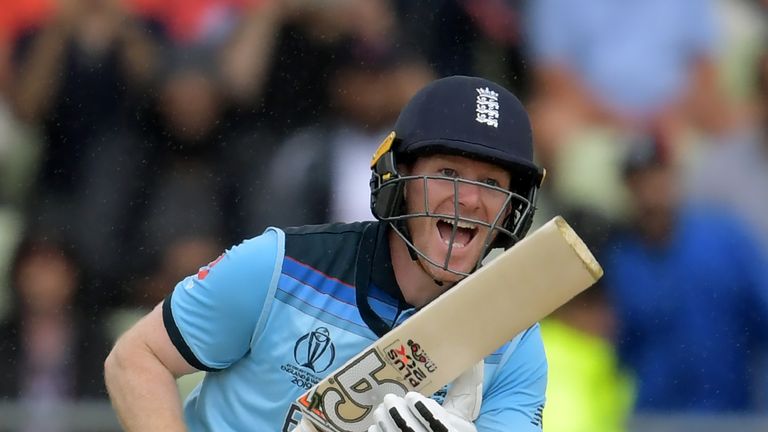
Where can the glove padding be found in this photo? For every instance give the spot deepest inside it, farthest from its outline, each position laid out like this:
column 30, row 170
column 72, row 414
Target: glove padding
column 417, row 413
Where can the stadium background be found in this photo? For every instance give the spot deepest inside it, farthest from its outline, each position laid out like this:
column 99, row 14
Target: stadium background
column 139, row 138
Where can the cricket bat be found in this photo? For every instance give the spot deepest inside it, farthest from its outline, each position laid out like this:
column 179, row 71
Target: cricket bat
column 458, row 329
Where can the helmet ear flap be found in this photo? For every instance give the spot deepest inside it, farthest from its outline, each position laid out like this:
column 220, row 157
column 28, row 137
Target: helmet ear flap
column 527, row 219
column 386, row 194
column 527, row 222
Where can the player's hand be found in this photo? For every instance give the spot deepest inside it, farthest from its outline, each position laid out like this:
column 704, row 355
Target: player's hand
column 305, row 426
column 417, row 413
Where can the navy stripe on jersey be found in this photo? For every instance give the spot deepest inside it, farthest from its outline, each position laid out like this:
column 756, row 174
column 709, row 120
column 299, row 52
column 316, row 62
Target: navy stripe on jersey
column 376, row 293
column 331, row 285
column 325, row 297
column 318, row 299
column 322, row 282
column 178, row 341
column 387, row 311
column 341, row 301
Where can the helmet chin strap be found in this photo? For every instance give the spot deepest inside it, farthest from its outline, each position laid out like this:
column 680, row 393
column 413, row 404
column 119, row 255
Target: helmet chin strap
column 403, row 227
column 425, row 267
column 426, row 270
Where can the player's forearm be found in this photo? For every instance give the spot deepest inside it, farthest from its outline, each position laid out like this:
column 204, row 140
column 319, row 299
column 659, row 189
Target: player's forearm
column 143, row 392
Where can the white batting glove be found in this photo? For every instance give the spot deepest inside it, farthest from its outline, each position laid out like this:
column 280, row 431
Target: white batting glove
column 305, row 426
column 417, row 413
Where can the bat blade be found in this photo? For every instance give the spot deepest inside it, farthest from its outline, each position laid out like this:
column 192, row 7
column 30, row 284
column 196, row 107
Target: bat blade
column 461, row 327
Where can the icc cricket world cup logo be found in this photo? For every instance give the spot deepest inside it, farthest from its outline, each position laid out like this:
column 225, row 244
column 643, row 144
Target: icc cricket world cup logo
column 314, row 350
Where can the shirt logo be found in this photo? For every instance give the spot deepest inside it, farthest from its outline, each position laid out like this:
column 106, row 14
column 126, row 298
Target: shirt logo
column 487, row 107
column 314, row 350
column 203, row 272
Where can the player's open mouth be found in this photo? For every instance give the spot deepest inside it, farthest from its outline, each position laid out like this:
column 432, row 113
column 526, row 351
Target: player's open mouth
column 465, row 231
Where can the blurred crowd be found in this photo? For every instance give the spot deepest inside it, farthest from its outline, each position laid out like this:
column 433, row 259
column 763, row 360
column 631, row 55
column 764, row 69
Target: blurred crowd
column 139, row 138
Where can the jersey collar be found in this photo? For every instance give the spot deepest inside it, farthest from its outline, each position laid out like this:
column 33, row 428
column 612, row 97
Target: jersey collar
column 375, row 276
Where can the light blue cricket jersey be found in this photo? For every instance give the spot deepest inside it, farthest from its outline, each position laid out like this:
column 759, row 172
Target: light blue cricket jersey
column 277, row 313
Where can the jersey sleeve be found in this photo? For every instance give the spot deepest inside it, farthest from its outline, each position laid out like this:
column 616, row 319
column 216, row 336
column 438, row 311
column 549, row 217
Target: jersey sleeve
column 211, row 317
column 514, row 399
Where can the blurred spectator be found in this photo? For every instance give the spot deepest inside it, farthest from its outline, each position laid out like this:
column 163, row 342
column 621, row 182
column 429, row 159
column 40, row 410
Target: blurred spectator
column 486, row 38
column 17, row 17
column 248, row 53
column 690, row 288
column 586, row 389
column 498, row 28
column 82, row 77
column 50, row 350
column 586, row 174
column 622, row 65
column 197, row 22
column 310, row 37
column 195, row 178
column 97, row 42
column 742, row 23
column 193, row 163
column 329, row 163
column 243, row 32
column 19, row 153
column 733, row 172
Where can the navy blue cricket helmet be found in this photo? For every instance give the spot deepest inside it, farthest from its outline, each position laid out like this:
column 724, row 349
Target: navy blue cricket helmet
column 470, row 117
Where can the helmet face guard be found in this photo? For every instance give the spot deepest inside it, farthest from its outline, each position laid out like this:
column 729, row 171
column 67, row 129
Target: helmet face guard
column 388, row 191
column 505, row 228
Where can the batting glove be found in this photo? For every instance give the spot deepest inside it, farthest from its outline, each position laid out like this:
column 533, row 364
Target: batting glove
column 417, row 413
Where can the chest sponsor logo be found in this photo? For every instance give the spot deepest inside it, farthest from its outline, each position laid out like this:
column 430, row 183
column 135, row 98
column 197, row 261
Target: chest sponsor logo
column 313, row 353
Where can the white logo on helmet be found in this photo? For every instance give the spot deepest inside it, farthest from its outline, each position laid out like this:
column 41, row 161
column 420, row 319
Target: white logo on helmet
column 487, row 107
